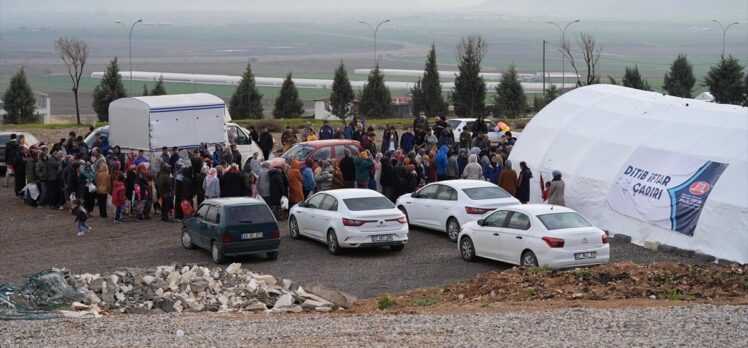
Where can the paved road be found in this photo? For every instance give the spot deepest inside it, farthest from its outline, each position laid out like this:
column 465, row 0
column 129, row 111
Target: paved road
column 33, row 240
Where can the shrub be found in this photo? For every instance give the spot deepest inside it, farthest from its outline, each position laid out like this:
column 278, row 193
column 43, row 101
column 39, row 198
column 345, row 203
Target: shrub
column 425, row 302
column 386, row 302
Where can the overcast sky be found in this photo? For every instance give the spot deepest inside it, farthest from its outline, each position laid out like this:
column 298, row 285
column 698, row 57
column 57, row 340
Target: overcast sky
column 90, row 12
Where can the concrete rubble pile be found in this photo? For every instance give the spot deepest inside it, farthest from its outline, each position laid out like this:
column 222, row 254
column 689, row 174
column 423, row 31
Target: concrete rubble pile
column 199, row 289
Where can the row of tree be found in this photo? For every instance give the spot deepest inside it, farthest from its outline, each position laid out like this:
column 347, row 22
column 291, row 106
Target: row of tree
column 726, row 81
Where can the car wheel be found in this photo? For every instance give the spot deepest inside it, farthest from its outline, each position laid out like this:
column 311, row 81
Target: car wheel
column 293, row 228
column 467, row 249
column 397, row 247
column 453, row 229
column 218, row 257
column 529, row 259
column 186, row 239
column 402, row 209
column 273, row 255
column 332, row 243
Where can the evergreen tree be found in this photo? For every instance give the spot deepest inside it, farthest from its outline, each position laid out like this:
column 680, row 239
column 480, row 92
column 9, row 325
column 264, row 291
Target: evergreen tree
column 19, row 102
column 288, row 104
column 551, row 93
column 632, row 79
column 427, row 92
column 469, row 95
column 342, row 95
column 109, row 90
column 679, row 81
column 510, row 99
column 145, row 90
column 725, row 81
column 375, row 98
column 745, row 91
column 246, row 101
column 159, row 89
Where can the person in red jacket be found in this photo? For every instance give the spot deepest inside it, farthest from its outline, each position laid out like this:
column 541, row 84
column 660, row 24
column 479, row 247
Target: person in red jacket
column 118, row 199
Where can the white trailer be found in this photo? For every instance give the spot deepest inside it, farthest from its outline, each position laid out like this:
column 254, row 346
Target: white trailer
column 182, row 120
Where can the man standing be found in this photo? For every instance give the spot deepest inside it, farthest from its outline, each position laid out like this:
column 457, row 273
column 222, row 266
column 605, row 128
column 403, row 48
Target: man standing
column 326, row 132
column 465, row 139
column 253, row 134
column 348, row 168
column 266, row 143
column 11, row 153
column 407, row 141
column 479, row 127
column 174, row 158
column 389, row 140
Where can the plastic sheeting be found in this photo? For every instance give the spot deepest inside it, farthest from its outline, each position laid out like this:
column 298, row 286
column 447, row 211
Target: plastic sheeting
column 38, row 296
column 590, row 132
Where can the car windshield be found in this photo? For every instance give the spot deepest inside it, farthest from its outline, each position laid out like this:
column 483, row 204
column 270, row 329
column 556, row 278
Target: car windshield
column 249, row 214
column 481, row 193
column 298, row 152
column 368, row 203
column 453, row 123
column 560, row 221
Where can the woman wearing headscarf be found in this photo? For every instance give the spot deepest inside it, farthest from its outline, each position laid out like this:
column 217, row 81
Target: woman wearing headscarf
column 473, row 170
column 363, row 165
column 188, row 188
column 338, row 182
column 103, row 188
column 211, row 184
column 508, row 178
column 308, row 184
column 492, row 170
column 325, row 176
column 232, row 184
column 295, row 188
column 165, row 190
column 523, row 183
column 556, row 192
column 263, row 181
column 88, row 187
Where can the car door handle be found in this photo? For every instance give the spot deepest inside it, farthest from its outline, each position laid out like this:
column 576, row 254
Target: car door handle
column 408, row 202
column 495, row 234
column 518, row 237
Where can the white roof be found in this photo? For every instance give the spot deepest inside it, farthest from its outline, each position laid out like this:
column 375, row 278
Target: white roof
column 180, row 100
column 590, row 132
column 234, row 201
column 353, row 193
column 537, row 209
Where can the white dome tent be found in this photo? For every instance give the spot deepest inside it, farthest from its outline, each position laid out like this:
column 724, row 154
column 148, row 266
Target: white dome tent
column 593, row 133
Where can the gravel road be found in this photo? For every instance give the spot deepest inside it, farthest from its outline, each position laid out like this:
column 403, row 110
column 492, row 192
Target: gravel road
column 33, row 240
column 692, row 326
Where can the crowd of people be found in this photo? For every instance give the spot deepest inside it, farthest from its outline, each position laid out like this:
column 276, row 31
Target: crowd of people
column 103, row 177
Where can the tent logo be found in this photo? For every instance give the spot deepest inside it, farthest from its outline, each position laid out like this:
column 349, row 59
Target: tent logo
column 699, row 188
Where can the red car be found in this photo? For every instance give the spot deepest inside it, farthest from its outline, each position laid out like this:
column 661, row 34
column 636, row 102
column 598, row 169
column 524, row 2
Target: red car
column 317, row 150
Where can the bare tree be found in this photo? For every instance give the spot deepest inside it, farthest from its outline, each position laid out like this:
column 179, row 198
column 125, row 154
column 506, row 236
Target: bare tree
column 590, row 52
column 74, row 53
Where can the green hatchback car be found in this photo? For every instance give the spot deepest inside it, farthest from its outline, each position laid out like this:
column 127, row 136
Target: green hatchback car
column 232, row 227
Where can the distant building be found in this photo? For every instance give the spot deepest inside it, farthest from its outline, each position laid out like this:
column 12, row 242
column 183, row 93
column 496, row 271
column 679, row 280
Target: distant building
column 43, row 107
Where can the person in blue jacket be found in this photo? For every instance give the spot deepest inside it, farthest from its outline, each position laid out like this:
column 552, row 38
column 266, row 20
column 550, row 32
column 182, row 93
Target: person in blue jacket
column 492, row 170
column 326, row 132
column 442, row 162
column 407, row 141
column 308, row 184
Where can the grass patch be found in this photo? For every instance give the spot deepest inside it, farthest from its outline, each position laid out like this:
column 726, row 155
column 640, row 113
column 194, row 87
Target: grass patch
column 581, row 274
column 425, row 302
column 386, row 302
column 539, row 270
column 673, row 295
column 529, row 290
column 50, row 125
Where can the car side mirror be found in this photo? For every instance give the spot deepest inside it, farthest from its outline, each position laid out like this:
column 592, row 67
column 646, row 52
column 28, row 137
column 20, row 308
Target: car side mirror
column 302, row 204
column 480, row 222
column 414, row 195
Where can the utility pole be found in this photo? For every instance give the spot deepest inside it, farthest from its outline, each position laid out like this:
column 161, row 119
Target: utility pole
column 543, row 68
column 563, row 53
column 724, row 33
column 130, row 39
column 376, row 60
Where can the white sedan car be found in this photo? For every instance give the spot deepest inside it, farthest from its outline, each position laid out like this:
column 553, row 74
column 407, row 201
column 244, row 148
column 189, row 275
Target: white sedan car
column 535, row 234
column 447, row 205
column 349, row 218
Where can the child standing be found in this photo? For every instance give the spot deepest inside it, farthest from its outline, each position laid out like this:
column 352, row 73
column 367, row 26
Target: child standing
column 118, row 199
column 80, row 217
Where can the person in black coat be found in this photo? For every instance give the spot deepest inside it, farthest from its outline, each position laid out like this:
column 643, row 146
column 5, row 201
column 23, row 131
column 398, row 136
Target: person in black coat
column 401, row 178
column 479, row 127
column 232, row 184
column 188, row 188
column 523, row 186
column 348, row 169
column 11, row 152
column 278, row 189
column 265, row 143
column 19, row 171
column 387, row 178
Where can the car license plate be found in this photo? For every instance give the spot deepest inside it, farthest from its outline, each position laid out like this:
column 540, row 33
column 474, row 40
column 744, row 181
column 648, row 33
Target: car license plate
column 584, row 256
column 382, row 238
column 252, row 235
